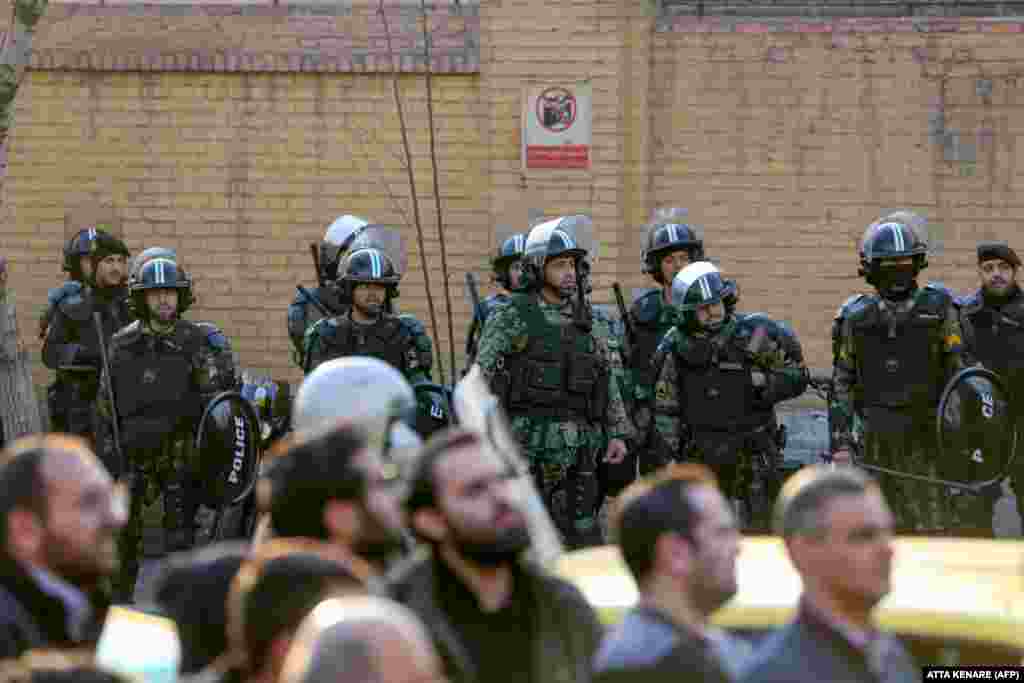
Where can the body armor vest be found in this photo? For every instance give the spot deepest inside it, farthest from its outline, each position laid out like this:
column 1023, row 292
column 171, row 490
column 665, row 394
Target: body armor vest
column 81, row 330
column 560, row 374
column 386, row 339
column 717, row 392
column 996, row 336
column 898, row 366
column 152, row 381
column 648, row 331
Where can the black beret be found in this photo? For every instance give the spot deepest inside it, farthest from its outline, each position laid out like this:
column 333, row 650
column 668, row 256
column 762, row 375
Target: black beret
column 997, row 250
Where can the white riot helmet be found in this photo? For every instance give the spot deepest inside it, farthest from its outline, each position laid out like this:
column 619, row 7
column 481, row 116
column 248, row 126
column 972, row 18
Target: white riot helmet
column 336, row 242
column 363, row 390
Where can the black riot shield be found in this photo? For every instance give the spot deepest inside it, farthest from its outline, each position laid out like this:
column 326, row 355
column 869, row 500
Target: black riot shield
column 977, row 435
column 228, row 447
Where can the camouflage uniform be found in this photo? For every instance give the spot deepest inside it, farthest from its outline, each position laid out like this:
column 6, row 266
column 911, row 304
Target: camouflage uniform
column 557, row 447
column 476, row 326
column 509, row 253
column 491, row 303
column 898, row 417
column 707, row 409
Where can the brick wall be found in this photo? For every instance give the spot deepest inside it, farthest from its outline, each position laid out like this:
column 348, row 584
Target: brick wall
column 236, row 133
column 239, row 172
column 787, row 137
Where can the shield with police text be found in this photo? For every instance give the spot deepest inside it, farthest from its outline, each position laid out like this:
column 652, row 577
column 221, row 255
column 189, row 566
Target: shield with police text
column 229, row 454
column 977, row 435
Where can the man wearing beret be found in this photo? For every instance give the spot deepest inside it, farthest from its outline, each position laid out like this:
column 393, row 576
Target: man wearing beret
column 992, row 320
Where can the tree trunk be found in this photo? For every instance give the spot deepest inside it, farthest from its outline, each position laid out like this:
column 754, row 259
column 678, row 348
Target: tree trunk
column 15, row 55
column 19, row 408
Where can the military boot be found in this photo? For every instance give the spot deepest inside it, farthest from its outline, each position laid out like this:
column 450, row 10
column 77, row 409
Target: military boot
column 584, row 500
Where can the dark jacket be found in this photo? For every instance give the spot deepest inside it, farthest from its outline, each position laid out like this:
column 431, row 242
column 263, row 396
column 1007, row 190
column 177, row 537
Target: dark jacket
column 809, row 649
column 568, row 631
column 31, row 618
column 648, row 646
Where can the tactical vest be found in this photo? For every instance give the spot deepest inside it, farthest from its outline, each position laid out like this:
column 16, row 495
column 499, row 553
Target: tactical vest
column 716, row 387
column 648, row 331
column 387, row 339
column 79, row 309
column 560, row 374
column 152, row 381
column 996, row 336
column 898, row 365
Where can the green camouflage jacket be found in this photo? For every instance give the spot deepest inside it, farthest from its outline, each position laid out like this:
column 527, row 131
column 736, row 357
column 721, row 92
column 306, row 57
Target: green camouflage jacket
column 548, row 439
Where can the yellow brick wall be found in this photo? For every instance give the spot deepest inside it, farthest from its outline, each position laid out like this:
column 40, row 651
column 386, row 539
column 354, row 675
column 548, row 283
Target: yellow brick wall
column 239, row 173
column 784, row 145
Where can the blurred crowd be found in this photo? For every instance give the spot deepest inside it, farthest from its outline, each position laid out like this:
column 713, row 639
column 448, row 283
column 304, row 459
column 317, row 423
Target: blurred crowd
column 376, row 563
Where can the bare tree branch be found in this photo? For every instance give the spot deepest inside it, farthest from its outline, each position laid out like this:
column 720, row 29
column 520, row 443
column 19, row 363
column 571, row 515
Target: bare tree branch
column 437, row 189
column 412, row 186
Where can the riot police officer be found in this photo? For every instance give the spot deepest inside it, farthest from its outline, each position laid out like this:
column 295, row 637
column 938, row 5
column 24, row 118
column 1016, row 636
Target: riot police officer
column 720, row 375
column 670, row 243
column 541, row 357
column 992, row 320
column 163, row 371
column 368, row 278
column 78, row 265
column 894, row 350
column 72, row 346
column 326, row 299
column 507, row 275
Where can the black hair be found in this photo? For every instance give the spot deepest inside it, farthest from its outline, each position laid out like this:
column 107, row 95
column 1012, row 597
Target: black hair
column 284, row 591
column 311, row 474
column 192, row 589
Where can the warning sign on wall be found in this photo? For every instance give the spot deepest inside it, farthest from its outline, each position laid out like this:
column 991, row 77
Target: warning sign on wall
column 556, row 126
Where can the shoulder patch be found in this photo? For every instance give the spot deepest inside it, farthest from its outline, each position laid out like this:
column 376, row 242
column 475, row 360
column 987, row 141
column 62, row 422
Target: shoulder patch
column 76, row 305
column 647, row 307
column 325, row 327
column 68, row 288
column 411, row 324
column 215, row 338
column 934, row 296
column 848, row 305
column 967, row 300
